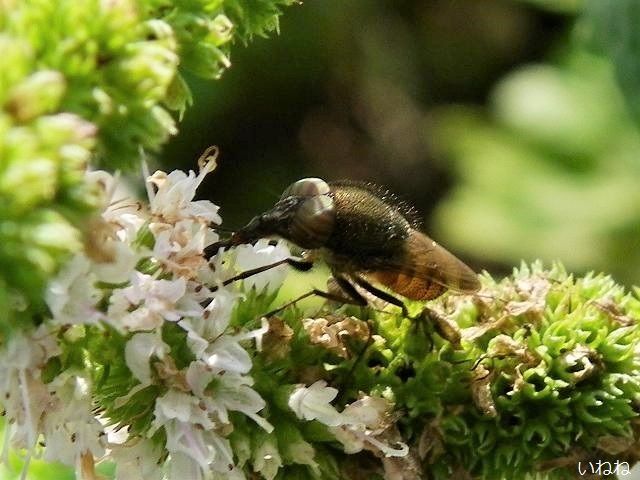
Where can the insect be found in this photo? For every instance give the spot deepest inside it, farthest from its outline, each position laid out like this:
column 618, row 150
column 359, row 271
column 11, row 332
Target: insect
column 365, row 236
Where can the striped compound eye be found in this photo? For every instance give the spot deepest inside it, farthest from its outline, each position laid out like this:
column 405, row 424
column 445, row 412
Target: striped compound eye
column 307, row 187
column 312, row 224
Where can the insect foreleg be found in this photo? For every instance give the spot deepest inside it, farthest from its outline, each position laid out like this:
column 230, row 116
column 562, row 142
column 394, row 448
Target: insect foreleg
column 301, row 265
column 213, row 249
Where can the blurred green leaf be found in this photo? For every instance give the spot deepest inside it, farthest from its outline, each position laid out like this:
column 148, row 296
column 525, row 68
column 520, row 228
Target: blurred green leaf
column 551, row 173
column 559, row 6
column 612, row 28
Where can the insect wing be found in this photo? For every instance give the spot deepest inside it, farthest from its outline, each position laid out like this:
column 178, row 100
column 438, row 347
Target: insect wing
column 426, row 270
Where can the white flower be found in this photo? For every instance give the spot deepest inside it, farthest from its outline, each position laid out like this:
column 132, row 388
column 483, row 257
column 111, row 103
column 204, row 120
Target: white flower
column 120, row 266
column 139, row 350
column 24, row 396
column 196, row 343
column 157, row 295
column 313, row 403
column 180, row 465
column 153, row 301
column 266, row 459
column 234, row 393
column 185, row 438
column 139, row 459
column 120, row 209
column 367, row 412
column 72, row 296
column 110, row 237
column 230, row 391
column 29, row 351
column 179, row 224
column 211, row 325
column 198, row 377
column 261, row 254
column 218, row 313
column 225, row 353
column 356, row 427
column 196, row 410
column 219, row 269
column 364, row 420
column 175, row 405
column 173, row 199
column 69, row 425
column 192, row 441
column 180, row 246
column 256, row 334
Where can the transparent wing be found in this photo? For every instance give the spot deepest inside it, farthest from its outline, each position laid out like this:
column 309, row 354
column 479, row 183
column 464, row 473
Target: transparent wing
column 426, row 270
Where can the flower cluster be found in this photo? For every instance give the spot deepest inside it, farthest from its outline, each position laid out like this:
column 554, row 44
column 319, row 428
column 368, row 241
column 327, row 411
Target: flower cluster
column 91, row 81
column 140, row 329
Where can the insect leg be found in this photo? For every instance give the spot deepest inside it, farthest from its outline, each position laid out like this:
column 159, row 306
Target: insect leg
column 351, row 296
column 301, row 265
column 212, row 249
column 348, row 288
column 446, row 328
column 381, row 294
column 298, row 264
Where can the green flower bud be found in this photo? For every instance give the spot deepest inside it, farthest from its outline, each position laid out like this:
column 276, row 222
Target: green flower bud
column 38, row 94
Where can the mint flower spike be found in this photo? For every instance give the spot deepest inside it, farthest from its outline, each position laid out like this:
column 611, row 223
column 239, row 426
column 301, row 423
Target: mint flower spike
column 141, row 358
column 92, row 81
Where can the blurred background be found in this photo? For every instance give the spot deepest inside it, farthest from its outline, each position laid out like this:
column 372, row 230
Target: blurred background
column 506, row 123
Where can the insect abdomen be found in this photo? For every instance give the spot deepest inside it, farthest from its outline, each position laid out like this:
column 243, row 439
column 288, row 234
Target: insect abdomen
column 409, row 286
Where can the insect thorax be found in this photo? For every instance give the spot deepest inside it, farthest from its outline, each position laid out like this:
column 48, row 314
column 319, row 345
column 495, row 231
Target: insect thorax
column 366, row 229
